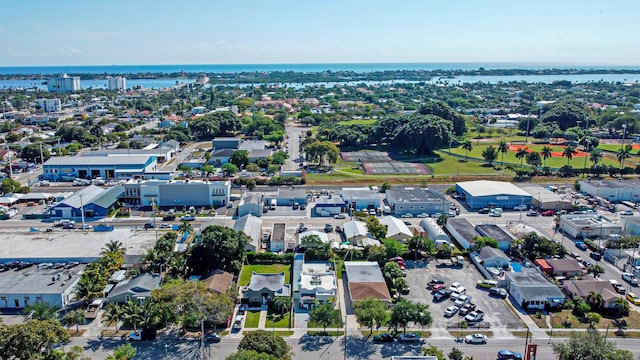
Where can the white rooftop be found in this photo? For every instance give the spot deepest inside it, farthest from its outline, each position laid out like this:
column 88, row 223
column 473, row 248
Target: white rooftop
column 489, row 188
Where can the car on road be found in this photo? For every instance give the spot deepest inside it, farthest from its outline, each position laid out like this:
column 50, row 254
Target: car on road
column 484, row 211
column 509, row 355
column 188, row 218
column 169, row 217
column 328, row 228
column 520, row 207
column 434, row 282
column 212, row 337
column 633, row 298
column 384, row 337
column 533, row 213
column 626, row 212
column 340, row 216
column 630, row 278
column 406, row 216
column 450, row 311
column 407, row 223
column 548, row 213
column 410, row 337
column 148, row 226
column 475, row 339
column 595, row 256
column 498, row 292
column 165, row 226
column 581, row 245
column 422, row 215
column 142, row 335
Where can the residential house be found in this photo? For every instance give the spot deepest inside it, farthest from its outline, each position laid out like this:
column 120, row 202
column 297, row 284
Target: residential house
column 264, row 287
column 532, row 291
column 355, row 231
column 396, row 228
column 136, row 289
column 365, row 280
column 218, row 281
column 314, row 282
column 492, row 257
column 252, row 227
column 585, row 288
column 565, row 267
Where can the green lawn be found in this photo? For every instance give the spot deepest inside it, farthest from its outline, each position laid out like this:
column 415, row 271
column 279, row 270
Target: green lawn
column 615, row 147
column 281, row 322
column 312, row 325
column 252, row 319
column 358, row 122
column 247, row 270
column 555, row 161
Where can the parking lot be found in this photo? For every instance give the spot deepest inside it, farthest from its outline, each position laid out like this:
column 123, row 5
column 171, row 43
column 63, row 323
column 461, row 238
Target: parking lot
column 419, row 273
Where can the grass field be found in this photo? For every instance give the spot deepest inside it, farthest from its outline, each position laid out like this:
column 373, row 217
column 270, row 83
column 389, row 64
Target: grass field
column 247, row 270
column 281, row 322
column 615, row 147
column 633, row 320
column 252, row 319
column 358, row 122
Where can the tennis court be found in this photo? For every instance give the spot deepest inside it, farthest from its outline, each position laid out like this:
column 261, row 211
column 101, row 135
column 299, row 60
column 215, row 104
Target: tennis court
column 365, row 156
column 395, row 167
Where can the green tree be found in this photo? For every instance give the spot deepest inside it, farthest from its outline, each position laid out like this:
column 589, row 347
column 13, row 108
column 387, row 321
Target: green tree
column 394, row 248
column 404, row 311
column 432, row 350
column 596, row 156
column 325, row 315
column 565, row 114
column 315, row 249
column 251, row 184
column 229, row 169
column 467, row 146
column 580, row 307
column 376, row 229
column 31, row 153
column 596, row 270
column 264, row 342
column 569, row 152
column 123, row 352
column 418, row 244
column 546, row 153
column 490, row 154
column 74, row 317
column 253, row 167
column 589, row 345
column 114, row 247
column 281, row 304
column 624, row 153
column 482, row 241
column 32, row 340
column 444, row 111
column 185, row 227
column 10, row 186
column 503, row 148
column 521, row 153
column 112, row 314
column 385, row 186
column 456, row 354
column 622, row 305
column 40, row 311
column 219, row 248
column 251, row 355
column 240, row 158
column 593, row 318
column 371, row 312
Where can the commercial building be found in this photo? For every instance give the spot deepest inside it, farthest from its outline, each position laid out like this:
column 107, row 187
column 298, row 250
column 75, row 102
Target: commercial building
column 286, row 196
column 492, row 257
column 118, row 83
column 252, row 227
column 49, row 105
column 278, row 237
column 177, row 193
column 64, row 84
column 415, row 201
column 582, row 226
column 313, row 282
column 462, row 232
column 532, row 291
column 21, row 288
column 498, row 194
column 362, row 198
column 96, row 202
column 365, row 280
column 162, row 153
column 68, row 168
column 503, row 238
column 226, row 143
column 613, row 191
column 631, row 225
column 329, row 205
column 396, row 229
column 544, row 199
column 434, row 232
column 251, row 203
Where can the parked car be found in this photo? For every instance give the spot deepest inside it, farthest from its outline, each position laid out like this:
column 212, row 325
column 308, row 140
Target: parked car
column 595, row 256
column 475, row 339
column 450, row 311
column 406, row 216
column 626, row 212
column 581, row 245
column 409, row 337
column 467, row 308
column 533, row 213
column 441, row 294
column 242, row 309
column 142, row 335
column 165, row 226
column 168, row 218
column 437, row 287
column 633, row 298
column 487, row 284
column 462, row 300
column 548, row 213
column 509, row 355
column 422, row 215
column 457, row 287
column 212, row 337
column 434, row 282
column 340, row 216
column 520, row 207
column 384, row 337
column 630, row 278
column 328, row 228
column 498, row 292
column 484, row 211
column 148, row 226
column 188, row 218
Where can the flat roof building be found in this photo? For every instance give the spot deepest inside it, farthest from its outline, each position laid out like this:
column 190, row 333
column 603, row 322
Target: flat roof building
column 581, row 226
column 362, row 198
column 545, row 199
column 416, row 200
column 614, row 191
column 68, row 168
column 177, row 193
column 64, row 84
column 499, row 194
column 365, row 280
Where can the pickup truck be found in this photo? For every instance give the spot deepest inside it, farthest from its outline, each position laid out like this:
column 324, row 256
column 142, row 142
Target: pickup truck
column 630, row 278
column 475, row 316
column 467, row 308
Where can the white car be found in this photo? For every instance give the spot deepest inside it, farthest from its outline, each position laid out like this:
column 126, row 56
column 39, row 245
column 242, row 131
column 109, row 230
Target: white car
column 455, row 295
column 457, row 287
column 627, row 212
column 462, row 300
column 340, row 216
column 520, row 207
column 422, row 215
column 450, row 311
column 475, row 339
column 406, row 216
column 630, row 278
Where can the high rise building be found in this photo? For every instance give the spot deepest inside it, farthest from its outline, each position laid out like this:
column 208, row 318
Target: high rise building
column 50, row 105
column 64, row 84
column 117, row 83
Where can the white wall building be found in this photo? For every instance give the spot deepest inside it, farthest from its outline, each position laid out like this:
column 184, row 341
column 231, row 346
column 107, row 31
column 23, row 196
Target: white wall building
column 589, row 226
column 179, row 193
column 64, row 83
column 117, row 83
column 313, row 282
column 50, row 105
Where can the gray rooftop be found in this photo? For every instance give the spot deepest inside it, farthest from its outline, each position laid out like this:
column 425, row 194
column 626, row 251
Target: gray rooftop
column 295, row 193
column 363, row 271
column 463, row 227
column 333, row 200
column 158, row 151
column 142, row 284
column 109, row 197
column 495, row 232
column 98, row 160
column 526, row 277
column 547, row 290
column 350, row 194
column 253, row 145
column 488, row 252
column 273, row 282
column 413, row 195
column 84, row 196
column 259, row 153
column 251, row 226
column 34, row 281
column 626, row 184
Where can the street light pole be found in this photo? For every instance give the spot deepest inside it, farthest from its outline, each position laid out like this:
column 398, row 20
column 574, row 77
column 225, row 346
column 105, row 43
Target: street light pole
column 587, row 142
column 624, row 134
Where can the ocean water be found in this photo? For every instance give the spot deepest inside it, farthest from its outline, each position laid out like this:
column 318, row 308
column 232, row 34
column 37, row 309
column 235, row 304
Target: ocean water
column 236, row 68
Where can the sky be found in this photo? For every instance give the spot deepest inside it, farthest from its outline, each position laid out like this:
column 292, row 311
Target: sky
column 138, row 32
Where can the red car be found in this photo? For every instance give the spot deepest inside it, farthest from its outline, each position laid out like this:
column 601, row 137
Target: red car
column 437, row 287
column 548, row 213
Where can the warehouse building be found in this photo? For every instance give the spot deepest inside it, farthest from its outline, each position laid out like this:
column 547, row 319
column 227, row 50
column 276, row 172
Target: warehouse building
column 584, row 226
column 416, row 200
column 177, row 193
column 614, row 191
column 362, row 198
column 435, row 232
column 462, row 232
column 396, row 229
column 494, row 231
column 96, row 202
column 496, row 194
column 68, row 168
column 544, row 199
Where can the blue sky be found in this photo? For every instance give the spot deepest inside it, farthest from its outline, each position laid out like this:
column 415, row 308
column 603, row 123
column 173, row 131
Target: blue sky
column 85, row 32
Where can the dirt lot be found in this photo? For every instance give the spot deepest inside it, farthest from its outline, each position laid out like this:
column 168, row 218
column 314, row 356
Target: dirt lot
column 419, row 273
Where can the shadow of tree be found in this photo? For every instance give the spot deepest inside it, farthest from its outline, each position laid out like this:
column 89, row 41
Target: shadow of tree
column 314, row 343
column 358, row 347
column 402, row 348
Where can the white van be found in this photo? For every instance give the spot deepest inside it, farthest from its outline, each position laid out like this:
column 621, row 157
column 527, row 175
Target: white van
column 274, row 203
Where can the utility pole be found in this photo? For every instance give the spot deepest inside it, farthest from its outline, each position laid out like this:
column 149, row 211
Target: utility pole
column 587, row 142
column 9, row 155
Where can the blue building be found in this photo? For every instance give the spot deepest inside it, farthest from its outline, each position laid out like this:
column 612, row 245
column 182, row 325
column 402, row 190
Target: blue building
column 496, row 194
column 68, row 168
column 95, row 201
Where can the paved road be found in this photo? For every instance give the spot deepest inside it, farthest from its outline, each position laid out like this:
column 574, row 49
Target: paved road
column 292, row 140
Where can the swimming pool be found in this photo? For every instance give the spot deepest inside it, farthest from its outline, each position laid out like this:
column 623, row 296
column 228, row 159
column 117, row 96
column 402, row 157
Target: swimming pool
column 516, row 266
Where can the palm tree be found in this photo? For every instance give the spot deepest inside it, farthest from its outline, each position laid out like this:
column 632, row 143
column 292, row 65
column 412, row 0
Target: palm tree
column 150, row 314
column 623, row 306
column 595, row 299
column 185, row 227
column 112, row 313
column 132, row 313
column 569, row 152
column 595, row 156
column 546, row 153
column 521, row 153
column 113, row 247
column 623, row 154
column 151, row 259
column 503, row 148
column 74, row 317
column 88, row 288
column 468, row 146
column 40, row 311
